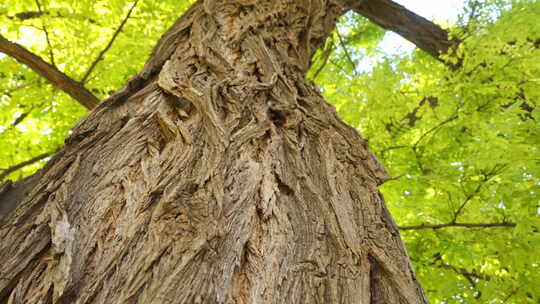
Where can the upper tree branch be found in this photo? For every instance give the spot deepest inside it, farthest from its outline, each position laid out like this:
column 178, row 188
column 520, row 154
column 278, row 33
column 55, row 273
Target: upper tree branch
column 108, row 46
column 425, row 34
column 58, row 79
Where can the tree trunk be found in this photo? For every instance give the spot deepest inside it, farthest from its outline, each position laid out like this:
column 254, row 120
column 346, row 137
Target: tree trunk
column 216, row 176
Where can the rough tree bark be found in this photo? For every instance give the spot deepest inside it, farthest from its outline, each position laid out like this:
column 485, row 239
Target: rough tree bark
column 217, row 175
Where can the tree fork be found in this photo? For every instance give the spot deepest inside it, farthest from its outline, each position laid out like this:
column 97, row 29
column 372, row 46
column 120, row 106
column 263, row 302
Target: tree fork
column 217, row 176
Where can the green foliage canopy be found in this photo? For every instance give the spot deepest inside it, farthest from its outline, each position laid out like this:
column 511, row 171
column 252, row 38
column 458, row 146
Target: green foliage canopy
column 461, row 140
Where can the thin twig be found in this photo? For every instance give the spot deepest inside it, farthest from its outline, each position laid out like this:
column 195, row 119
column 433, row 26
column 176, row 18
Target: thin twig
column 19, row 166
column 487, row 176
column 51, row 54
column 325, row 55
column 469, row 275
column 511, row 294
column 337, row 65
column 460, row 225
column 437, row 127
column 469, row 197
column 383, row 151
column 21, row 118
column 344, row 47
column 111, row 41
column 394, row 178
column 8, row 92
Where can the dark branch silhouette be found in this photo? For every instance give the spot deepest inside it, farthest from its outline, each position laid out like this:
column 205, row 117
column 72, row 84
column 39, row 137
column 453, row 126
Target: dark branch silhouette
column 8, row 171
column 57, row 78
column 462, row 225
column 108, row 46
column 51, row 50
column 391, row 16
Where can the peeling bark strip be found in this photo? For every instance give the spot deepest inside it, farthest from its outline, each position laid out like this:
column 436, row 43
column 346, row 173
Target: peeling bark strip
column 58, row 79
column 224, row 179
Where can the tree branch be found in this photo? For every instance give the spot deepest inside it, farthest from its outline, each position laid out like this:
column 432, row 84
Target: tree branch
column 425, row 34
column 461, row 225
column 468, row 198
column 20, row 119
column 344, row 47
column 413, row 117
column 58, row 79
column 51, row 54
column 108, row 46
column 469, row 275
column 19, row 166
column 8, row 92
column 27, row 15
column 434, row 129
column 326, row 56
column 23, row 16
